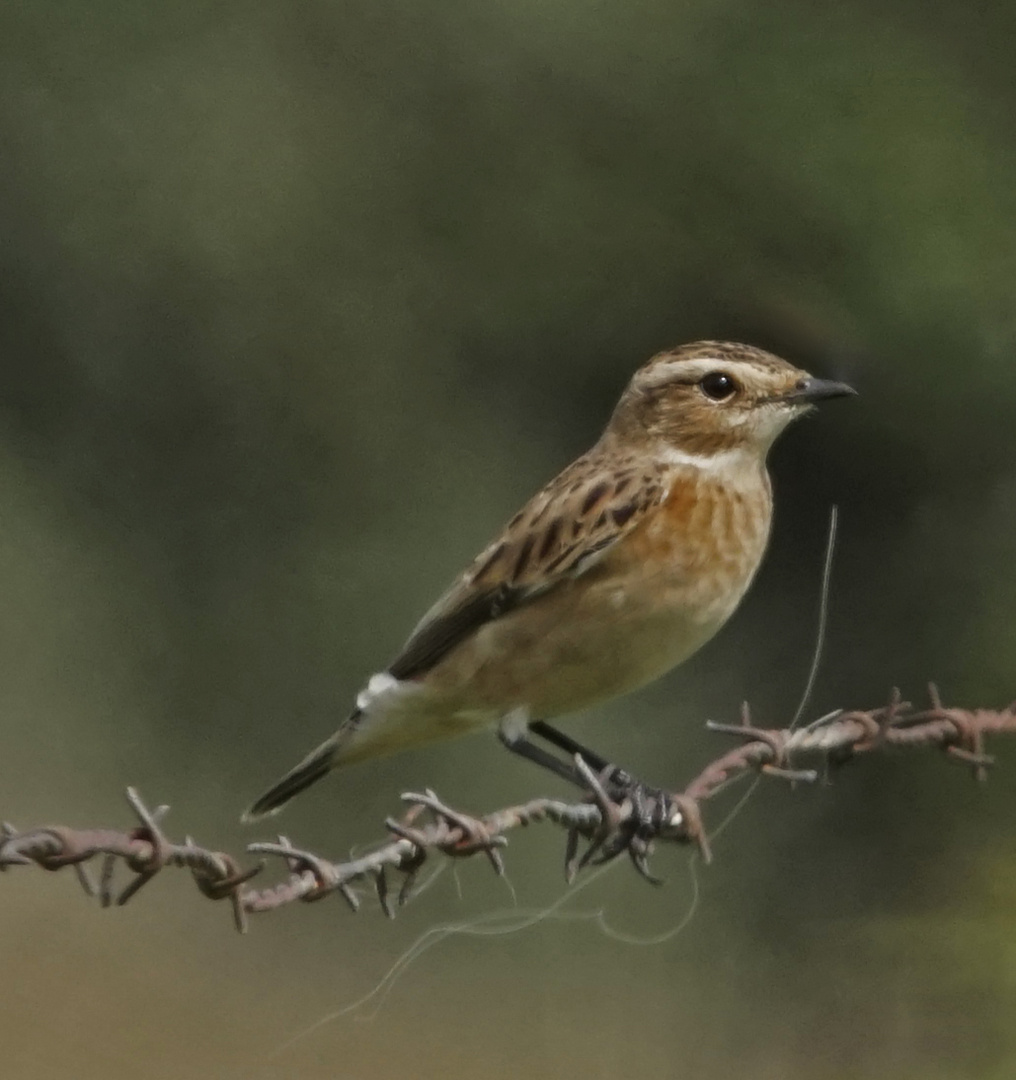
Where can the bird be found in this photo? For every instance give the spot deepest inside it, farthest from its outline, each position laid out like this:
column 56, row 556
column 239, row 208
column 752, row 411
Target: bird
column 614, row 573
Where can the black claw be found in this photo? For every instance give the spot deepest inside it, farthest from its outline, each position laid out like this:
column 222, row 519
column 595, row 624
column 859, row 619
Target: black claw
column 381, row 883
column 570, row 855
column 639, row 856
column 106, row 880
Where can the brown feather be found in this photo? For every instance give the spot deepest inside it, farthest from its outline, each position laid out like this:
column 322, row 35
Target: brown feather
column 527, row 559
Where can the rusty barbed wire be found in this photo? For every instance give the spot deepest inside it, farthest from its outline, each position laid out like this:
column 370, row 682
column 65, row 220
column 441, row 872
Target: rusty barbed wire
column 616, row 815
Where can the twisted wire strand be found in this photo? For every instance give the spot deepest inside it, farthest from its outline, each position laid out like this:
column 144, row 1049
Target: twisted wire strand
column 607, row 819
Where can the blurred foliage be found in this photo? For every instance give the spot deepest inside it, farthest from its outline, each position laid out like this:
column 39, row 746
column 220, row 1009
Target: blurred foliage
column 298, row 301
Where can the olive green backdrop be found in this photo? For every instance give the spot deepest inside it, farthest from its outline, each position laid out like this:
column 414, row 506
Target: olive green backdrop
column 298, row 301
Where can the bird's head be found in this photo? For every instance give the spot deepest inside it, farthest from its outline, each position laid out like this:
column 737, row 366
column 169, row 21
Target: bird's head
column 715, row 397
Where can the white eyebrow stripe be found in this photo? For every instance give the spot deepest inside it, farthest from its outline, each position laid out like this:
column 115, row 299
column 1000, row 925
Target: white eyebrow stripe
column 694, row 368
column 691, row 371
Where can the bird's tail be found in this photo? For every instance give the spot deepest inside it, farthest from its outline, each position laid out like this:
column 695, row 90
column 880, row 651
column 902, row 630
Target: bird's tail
column 315, row 765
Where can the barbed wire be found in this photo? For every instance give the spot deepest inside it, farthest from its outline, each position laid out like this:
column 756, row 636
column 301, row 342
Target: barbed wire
column 617, row 814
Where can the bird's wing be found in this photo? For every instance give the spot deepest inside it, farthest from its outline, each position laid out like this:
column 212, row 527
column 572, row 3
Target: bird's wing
column 561, row 532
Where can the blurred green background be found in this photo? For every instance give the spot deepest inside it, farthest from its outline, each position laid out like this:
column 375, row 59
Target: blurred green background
column 298, row 301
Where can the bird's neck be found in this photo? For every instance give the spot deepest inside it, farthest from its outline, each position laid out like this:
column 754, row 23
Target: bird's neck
column 720, row 461
column 729, row 461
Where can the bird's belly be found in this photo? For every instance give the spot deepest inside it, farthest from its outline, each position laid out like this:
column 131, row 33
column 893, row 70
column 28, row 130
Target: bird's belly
column 584, row 645
column 612, row 658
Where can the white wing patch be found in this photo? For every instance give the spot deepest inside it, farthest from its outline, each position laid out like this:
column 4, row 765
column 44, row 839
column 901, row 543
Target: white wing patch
column 380, row 686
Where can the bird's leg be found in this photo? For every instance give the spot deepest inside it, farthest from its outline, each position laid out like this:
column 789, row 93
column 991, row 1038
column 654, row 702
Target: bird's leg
column 513, row 733
column 649, row 804
column 569, row 745
column 614, row 778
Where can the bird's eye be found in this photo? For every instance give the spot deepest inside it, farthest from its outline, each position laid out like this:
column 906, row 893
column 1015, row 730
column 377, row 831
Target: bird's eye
column 717, row 385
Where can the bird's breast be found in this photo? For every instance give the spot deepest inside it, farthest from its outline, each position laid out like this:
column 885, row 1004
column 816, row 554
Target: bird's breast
column 679, row 576
column 703, row 547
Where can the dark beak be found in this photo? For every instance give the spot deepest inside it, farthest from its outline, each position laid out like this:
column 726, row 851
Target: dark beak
column 810, row 390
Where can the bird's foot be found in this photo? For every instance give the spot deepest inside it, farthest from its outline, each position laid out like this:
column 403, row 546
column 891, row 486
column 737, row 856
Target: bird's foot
column 632, row 814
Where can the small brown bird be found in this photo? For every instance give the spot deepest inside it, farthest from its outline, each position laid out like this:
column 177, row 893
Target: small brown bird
column 618, row 570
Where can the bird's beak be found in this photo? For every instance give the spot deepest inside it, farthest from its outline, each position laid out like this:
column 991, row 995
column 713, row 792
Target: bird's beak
column 809, row 390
